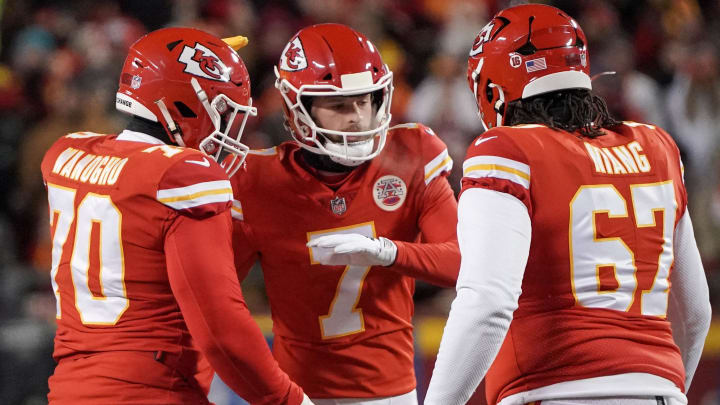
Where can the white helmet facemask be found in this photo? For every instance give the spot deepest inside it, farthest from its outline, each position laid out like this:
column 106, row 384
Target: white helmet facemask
column 364, row 145
column 355, row 152
column 228, row 119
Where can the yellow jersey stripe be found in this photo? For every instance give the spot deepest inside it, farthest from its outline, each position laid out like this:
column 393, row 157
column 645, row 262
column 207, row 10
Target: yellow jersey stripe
column 196, row 195
column 497, row 167
column 438, row 167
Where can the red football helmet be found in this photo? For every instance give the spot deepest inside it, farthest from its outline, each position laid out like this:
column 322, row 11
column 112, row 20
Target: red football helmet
column 334, row 60
column 522, row 52
column 195, row 85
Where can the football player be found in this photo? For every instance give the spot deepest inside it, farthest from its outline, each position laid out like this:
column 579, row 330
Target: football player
column 142, row 267
column 343, row 219
column 581, row 281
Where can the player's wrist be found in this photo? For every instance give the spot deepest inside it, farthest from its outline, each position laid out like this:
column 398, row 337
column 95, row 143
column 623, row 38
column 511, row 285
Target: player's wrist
column 388, row 251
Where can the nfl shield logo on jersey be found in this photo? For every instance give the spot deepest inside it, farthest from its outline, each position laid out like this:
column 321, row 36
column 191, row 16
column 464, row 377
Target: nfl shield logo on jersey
column 338, row 205
column 389, row 192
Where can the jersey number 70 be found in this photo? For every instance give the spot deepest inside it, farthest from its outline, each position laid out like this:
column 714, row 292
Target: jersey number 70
column 94, row 211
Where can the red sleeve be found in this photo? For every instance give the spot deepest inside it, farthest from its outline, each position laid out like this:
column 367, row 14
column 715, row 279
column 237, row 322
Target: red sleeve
column 204, row 374
column 494, row 161
column 436, row 259
column 195, row 186
column 203, row 280
column 245, row 254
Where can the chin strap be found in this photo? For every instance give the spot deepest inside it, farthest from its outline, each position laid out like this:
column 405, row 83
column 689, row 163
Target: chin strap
column 601, row 74
column 498, row 104
column 175, row 131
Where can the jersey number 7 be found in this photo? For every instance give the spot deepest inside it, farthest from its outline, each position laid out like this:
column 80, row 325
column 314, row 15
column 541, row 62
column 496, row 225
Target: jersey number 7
column 344, row 317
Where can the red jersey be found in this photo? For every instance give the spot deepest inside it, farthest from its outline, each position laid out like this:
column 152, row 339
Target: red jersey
column 346, row 331
column 117, row 267
column 110, row 205
column 595, row 290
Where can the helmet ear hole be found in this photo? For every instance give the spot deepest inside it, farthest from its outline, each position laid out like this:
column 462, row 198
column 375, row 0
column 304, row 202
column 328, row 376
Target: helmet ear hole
column 307, row 103
column 376, row 97
column 184, row 110
column 488, row 91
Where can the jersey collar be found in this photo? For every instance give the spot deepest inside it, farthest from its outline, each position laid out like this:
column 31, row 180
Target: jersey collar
column 127, row 135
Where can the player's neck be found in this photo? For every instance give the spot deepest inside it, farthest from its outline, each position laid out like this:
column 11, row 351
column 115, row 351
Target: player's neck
column 331, row 173
column 148, row 127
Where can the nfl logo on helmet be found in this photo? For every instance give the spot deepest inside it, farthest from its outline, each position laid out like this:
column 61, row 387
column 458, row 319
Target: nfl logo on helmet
column 136, row 81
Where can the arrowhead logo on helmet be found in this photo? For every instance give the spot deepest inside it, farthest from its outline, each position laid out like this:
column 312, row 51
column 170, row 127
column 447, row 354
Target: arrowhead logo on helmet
column 548, row 43
column 330, row 60
column 194, row 85
column 201, row 61
column 481, row 39
column 293, row 56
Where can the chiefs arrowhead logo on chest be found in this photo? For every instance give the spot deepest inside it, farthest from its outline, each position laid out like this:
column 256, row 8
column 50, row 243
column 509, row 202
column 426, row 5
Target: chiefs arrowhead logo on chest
column 389, row 192
column 201, row 61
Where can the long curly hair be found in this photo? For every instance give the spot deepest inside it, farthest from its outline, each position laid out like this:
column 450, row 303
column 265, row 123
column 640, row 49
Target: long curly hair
column 574, row 110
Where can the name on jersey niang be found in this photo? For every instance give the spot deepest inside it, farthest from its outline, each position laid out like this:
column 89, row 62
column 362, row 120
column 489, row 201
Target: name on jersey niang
column 85, row 167
column 623, row 159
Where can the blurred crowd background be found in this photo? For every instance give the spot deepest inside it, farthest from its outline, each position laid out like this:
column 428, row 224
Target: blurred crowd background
column 60, row 60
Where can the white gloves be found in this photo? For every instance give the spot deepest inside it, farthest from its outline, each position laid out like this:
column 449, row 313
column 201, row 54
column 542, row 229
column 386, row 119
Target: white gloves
column 306, row 401
column 353, row 249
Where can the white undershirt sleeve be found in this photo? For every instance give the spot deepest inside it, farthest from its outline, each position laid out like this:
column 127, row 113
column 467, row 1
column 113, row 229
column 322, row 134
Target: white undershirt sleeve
column 494, row 234
column 689, row 310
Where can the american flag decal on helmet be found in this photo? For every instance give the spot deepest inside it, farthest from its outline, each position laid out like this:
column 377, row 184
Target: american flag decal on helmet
column 535, row 65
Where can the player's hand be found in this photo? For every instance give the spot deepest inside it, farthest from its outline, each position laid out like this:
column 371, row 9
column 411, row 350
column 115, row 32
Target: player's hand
column 354, row 249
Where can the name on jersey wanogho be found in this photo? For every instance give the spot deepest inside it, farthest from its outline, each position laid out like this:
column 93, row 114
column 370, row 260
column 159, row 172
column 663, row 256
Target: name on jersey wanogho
column 88, row 168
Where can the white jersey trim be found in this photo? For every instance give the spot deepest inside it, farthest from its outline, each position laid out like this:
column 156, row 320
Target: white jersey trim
column 628, row 384
column 196, row 194
column 410, row 125
column 81, row 135
column 440, row 164
column 133, row 136
column 498, row 167
column 236, row 210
